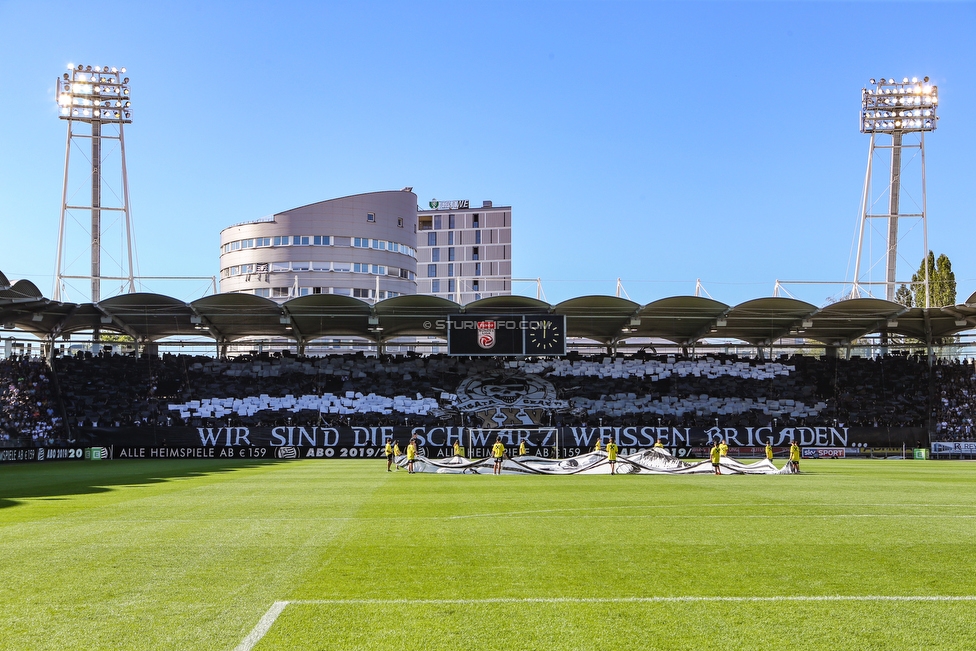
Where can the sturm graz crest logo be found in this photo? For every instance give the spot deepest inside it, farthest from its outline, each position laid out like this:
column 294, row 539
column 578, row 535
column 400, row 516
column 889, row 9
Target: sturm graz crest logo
column 287, row 452
column 486, row 334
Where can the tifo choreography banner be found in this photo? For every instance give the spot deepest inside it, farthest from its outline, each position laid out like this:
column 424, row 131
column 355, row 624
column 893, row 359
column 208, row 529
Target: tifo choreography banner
column 439, row 441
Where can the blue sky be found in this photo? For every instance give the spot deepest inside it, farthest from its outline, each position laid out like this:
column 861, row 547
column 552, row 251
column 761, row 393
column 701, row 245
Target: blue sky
column 654, row 142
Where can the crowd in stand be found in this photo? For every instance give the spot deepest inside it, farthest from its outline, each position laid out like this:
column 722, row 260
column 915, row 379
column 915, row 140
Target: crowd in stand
column 267, row 390
column 955, row 404
column 28, row 405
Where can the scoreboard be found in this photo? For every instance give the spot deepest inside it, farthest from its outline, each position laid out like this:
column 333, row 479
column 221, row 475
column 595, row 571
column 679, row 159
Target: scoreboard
column 509, row 334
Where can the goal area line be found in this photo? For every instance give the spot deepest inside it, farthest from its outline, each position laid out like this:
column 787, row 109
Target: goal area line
column 268, row 619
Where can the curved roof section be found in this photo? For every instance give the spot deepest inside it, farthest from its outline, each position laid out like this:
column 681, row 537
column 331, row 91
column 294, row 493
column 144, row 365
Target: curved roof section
column 416, row 316
column 4, row 283
column 845, row 321
column 762, row 320
column 147, row 316
column 327, row 315
column 513, row 304
column 680, row 319
column 601, row 318
column 938, row 322
column 228, row 317
column 20, row 291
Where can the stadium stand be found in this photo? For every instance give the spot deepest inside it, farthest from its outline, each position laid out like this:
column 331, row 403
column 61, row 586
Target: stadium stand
column 28, row 407
column 116, row 390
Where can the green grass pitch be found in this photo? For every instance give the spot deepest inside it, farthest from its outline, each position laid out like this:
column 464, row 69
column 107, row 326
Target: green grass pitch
column 194, row 555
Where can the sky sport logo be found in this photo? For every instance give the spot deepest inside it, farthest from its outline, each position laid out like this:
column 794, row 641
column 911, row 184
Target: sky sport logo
column 486, row 334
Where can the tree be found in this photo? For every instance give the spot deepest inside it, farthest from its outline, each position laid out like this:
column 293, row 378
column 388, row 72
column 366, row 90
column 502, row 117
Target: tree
column 904, row 296
column 942, row 282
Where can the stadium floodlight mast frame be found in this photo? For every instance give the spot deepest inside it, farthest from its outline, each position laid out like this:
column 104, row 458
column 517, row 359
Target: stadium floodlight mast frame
column 895, row 108
column 95, row 96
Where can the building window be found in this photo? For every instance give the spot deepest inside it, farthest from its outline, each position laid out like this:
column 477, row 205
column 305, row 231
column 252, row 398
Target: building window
column 474, row 253
column 450, row 270
column 475, row 285
column 362, row 293
column 450, row 238
column 279, row 292
column 450, row 254
column 316, row 290
column 262, row 241
column 300, row 240
column 435, row 286
column 474, row 221
column 400, row 222
column 280, row 240
column 477, row 268
column 263, row 291
column 322, row 240
column 361, row 242
column 431, row 239
column 435, row 255
column 437, row 222
column 477, row 297
column 371, row 216
column 431, row 270
column 477, row 237
column 452, row 285
column 450, row 222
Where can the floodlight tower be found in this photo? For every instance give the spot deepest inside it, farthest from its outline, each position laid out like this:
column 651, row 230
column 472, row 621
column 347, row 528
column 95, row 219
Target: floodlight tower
column 98, row 97
column 895, row 109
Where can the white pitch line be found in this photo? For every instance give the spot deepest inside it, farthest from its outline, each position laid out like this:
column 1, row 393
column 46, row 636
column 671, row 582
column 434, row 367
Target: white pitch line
column 732, row 516
column 268, row 620
column 614, row 600
column 577, row 510
column 263, row 626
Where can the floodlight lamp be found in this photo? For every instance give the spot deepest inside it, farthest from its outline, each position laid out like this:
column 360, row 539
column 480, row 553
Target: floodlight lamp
column 122, row 70
column 873, row 82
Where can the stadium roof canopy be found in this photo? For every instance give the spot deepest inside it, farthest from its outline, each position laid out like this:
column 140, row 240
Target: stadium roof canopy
column 684, row 320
